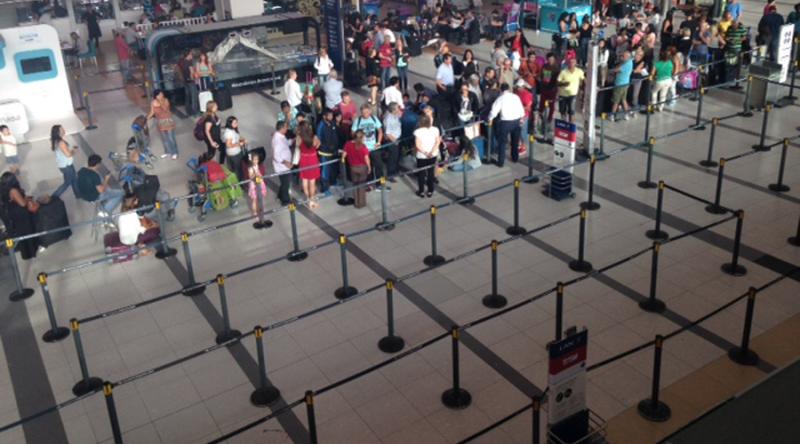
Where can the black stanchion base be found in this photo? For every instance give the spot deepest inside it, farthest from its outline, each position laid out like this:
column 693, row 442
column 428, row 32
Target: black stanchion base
column 647, row 184
column 91, row 127
column 515, row 230
column 761, row 148
column 658, row 412
column 456, row 399
column 384, row 226
column 778, row 187
column 391, row 344
column 297, row 256
column 531, row 179
column 193, row 290
column 590, row 206
column 746, row 114
column 466, row 200
column 17, row 295
column 600, row 155
column 494, row 301
column 55, row 334
column 433, row 260
column 698, row 127
column 86, row 386
column 345, row 292
column 262, row 397
column 794, row 240
column 345, row 201
column 715, row 209
column 785, row 101
column 659, row 235
column 653, row 305
column 166, row 252
column 580, row 266
column 709, row 163
column 743, row 357
column 733, row 270
column 227, row 335
column 262, row 225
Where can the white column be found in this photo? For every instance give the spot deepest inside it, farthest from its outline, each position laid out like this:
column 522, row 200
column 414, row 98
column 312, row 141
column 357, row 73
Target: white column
column 117, row 14
column 71, row 16
column 244, row 8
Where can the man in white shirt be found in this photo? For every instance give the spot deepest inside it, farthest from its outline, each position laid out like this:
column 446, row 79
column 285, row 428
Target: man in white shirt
column 392, row 93
column 294, row 95
column 445, row 78
column 333, row 90
column 511, row 112
column 393, row 129
column 282, row 160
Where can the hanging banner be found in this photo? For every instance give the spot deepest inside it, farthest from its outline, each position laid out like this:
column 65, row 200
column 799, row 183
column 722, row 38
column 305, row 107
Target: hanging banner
column 566, row 377
column 785, row 50
column 334, row 29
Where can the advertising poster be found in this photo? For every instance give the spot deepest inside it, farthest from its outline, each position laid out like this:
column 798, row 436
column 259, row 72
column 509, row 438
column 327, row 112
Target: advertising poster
column 334, row 28
column 566, row 377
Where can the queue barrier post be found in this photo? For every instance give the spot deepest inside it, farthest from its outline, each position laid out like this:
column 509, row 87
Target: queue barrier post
column 116, row 432
column 743, row 355
column 652, row 303
column 653, row 409
column 345, row 200
column 456, row 397
column 265, row 394
column 761, row 146
column 747, row 111
column 707, row 162
column 516, row 230
column 489, row 144
column 77, row 78
column 590, row 204
column 537, row 420
column 56, row 333
column 779, row 186
column 600, row 152
column 296, row 255
column 531, row 178
column 546, row 120
column 648, row 113
column 390, row 343
column 494, row 300
column 312, row 420
column 164, row 250
column 559, row 310
column 384, row 224
column 148, row 91
column 21, row 292
column 657, row 233
column 795, row 240
column 89, row 114
column 434, row 259
column 261, row 223
column 192, row 288
column 698, row 125
column 733, row 267
column 788, row 100
column 716, row 208
column 648, row 182
column 466, row 199
column 580, row 264
column 227, row 333
column 88, row 383
column 345, row 291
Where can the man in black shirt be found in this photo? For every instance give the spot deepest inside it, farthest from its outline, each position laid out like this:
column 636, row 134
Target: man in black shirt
column 93, row 188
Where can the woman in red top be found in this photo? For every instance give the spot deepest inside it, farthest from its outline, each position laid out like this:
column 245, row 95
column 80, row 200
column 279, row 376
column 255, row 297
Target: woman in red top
column 357, row 156
column 309, row 162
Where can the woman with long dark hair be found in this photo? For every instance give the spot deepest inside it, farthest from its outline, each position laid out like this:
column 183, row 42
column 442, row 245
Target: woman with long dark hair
column 309, row 162
column 470, row 65
column 233, row 146
column 17, row 212
column 64, row 160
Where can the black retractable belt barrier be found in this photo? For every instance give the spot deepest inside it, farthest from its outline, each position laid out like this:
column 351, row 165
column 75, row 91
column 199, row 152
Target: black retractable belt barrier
column 657, row 233
column 648, row 182
column 733, row 267
column 227, row 333
column 516, row 230
column 494, row 300
column 716, row 207
column 762, row 146
column 265, row 394
column 88, row 383
column 434, row 259
column 56, row 333
column 345, row 200
column 345, row 291
column 193, row 288
column 536, row 432
column 164, row 250
column 312, row 420
column 654, row 409
column 261, row 223
column 384, row 224
column 795, row 240
column 390, row 343
column 531, row 178
column 21, row 292
column 698, row 125
column 742, row 354
column 708, row 163
column 456, row 397
column 296, row 255
column 590, row 204
column 653, row 304
column 559, row 310
column 779, row 186
column 116, row 432
column 746, row 111
column 580, row 264
column 89, row 114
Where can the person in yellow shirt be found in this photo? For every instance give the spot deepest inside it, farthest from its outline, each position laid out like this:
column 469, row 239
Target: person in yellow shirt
column 569, row 83
column 725, row 23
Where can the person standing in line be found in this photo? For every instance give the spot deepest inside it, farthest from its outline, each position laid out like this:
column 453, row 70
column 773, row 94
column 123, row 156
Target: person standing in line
column 234, row 143
column 309, row 162
column 282, row 160
column 9, row 144
column 393, row 131
column 348, row 110
column 386, row 57
column 511, row 112
column 735, row 8
column 569, row 82
column 18, row 214
column 184, row 75
column 357, row 156
column 124, row 56
column 328, row 135
column 392, row 94
column 255, row 171
column 333, row 90
column 323, row 65
column 93, row 27
column 445, row 77
column 64, row 161
column 212, row 132
column 294, row 94
column 426, row 144
column 161, row 110
column 663, row 68
column 622, row 82
column 373, row 135
column 402, row 57
column 203, row 73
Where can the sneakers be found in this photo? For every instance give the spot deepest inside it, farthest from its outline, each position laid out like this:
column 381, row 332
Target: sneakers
column 102, row 214
column 174, row 157
column 164, row 156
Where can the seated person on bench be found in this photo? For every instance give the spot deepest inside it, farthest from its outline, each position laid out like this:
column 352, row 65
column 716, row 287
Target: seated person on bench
column 93, row 187
column 136, row 230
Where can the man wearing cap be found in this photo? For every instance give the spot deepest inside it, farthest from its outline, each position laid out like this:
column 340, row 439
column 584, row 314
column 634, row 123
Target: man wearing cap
column 511, row 112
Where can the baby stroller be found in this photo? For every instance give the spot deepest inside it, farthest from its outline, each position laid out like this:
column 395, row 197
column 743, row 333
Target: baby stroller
column 119, row 159
column 214, row 187
column 146, row 187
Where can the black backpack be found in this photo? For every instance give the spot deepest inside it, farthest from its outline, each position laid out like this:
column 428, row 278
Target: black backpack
column 200, row 129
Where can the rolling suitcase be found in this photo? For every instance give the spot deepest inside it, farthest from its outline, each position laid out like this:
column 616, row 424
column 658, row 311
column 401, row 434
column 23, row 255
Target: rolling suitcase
column 50, row 216
column 113, row 246
column 222, row 95
column 203, row 98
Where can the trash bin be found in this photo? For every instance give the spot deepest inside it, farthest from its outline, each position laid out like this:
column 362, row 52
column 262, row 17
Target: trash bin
column 761, row 91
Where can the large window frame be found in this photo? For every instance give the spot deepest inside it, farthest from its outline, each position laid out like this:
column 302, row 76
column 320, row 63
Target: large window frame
column 104, row 8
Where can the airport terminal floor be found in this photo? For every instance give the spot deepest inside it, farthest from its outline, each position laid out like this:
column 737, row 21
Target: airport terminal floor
column 502, row 359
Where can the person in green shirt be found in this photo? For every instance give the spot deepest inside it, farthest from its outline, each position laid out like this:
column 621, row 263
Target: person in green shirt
column 734, row 38
column 663, row 74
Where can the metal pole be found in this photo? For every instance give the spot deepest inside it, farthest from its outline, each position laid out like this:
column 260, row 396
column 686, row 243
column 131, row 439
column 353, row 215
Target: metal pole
column 761, row 144
column 296, row 255
column 494, row 300
column 601, row 154
column 227, row 332
column 559, row 310
column 434, row 259
column 780, row 187
column 21, row 292
column 654, row 409
column 390, row 343
column 516, row 230
column 80, row 92
column 716, row 208
column 192, row 288
column 164, row 250
column 743, row 355
column 795, row 240
column 87, row 383
column 466, row 199
column 344, row 200
column 456, row 397
column 312, row 421
column 590, row 204
column 88, row 107
column 788, row 100
column 653, row 304
column 537, row 407
column 708, row 163
column 531, row 178
column 55, row 333
column 580, row 265
column 657, row 233
column 698, row 126
column 747, row 112
column 384, row 224
column 733, row 267
column 488, row 158
column 116, row 432
column 648, row 113
column 265, row 394
column 647, row 182
column 345, row 291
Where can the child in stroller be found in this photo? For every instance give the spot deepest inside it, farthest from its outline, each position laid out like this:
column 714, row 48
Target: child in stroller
column 146, row 187
column 140, row 141
column 214, row 186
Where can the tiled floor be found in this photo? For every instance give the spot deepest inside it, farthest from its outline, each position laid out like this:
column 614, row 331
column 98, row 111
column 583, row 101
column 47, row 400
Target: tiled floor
column 503, row 361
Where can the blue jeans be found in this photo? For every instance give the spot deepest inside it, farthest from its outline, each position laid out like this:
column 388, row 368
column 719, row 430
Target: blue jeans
column 330, row 174
column 110, row 199
column 168, row 139
column 70, row 180
column 402, row 73
column 506, row 128
column 386, row 74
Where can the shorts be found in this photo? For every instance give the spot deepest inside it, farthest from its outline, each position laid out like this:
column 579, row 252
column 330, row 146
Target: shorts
column 619, row 95
column 12, row 160
column 566, row 105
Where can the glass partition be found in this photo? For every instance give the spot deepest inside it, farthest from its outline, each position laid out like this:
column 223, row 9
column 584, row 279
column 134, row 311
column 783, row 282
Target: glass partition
column 103, row 8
